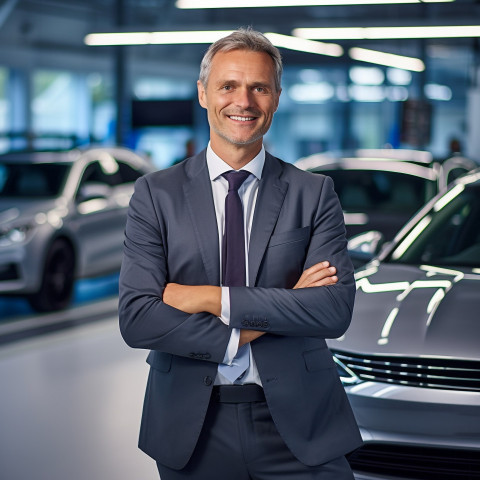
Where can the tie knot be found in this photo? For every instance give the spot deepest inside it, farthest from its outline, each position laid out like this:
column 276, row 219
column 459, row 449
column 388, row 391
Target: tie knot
column 235, row 179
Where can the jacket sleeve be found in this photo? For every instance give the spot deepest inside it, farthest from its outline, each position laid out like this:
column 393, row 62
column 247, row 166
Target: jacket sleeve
column 145, row 320
column 317, row 311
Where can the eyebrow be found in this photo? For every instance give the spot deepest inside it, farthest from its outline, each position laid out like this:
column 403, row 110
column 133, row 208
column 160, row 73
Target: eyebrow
column 236, row 82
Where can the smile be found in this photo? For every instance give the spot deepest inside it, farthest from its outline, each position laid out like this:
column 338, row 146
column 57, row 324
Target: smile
column 241, row 119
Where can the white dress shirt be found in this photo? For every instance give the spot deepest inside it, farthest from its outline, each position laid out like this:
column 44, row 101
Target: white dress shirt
column 248, row 196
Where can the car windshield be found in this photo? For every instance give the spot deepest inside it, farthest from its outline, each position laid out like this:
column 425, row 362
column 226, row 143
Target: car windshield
column 381, row 191
column 448, row 235
column 26, row 180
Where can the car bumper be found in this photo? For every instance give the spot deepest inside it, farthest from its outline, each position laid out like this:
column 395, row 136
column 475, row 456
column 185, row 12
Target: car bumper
column 402, row 424
column 20, row 270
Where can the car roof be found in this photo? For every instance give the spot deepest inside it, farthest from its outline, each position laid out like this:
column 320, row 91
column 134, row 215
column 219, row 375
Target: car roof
column 41, row 157
column 372, row 164
column 71, row 156
column 362, row 156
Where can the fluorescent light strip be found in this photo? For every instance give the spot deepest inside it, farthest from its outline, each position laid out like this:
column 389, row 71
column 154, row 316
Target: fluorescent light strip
column 197, row 4
column 302, row 45
column 388, row 59
column 377, row 33
column 180, row 38
column 154, row 38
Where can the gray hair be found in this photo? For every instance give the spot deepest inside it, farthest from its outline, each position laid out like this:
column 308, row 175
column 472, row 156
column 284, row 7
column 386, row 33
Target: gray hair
column 242, row 39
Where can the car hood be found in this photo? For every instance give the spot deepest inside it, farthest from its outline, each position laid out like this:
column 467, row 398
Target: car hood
column 413, row 311
column 14, row 210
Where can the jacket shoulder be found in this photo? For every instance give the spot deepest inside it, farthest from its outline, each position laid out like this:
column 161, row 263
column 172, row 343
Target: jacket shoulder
column 178, row 174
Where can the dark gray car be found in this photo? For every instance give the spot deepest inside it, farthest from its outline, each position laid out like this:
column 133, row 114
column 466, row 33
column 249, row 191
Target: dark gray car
column 62, row 216
column 410, row 361
column 381, row 189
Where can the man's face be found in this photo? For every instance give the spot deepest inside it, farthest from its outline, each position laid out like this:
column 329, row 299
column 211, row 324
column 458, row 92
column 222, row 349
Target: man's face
column 240, row 97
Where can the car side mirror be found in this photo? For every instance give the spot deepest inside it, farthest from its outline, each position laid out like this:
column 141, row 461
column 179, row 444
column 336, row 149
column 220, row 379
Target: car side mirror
column 365, row 246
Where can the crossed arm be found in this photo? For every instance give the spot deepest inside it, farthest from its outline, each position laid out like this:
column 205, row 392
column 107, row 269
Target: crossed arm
column 207, row 298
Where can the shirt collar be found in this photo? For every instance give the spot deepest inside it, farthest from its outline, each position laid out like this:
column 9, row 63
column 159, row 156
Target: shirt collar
column 216, row 166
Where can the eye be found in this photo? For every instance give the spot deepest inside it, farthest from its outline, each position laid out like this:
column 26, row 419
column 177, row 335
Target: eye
column 226, row 88
column 262, row 90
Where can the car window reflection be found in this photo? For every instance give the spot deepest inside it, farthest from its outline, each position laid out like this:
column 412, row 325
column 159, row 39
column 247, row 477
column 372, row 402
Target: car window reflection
column 449, row 236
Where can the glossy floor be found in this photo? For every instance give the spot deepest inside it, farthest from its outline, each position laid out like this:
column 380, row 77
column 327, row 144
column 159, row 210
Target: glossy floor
column 70, row 406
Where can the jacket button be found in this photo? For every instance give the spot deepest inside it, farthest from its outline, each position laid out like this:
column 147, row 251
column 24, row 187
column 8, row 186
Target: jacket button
column 207, row 381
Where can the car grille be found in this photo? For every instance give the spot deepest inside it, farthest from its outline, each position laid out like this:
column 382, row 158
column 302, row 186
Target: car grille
column 416, row 463
column 419, row 372
column 8, row 272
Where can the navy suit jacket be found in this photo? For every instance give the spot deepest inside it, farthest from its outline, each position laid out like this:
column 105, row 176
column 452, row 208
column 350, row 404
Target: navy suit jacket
column 171, row 236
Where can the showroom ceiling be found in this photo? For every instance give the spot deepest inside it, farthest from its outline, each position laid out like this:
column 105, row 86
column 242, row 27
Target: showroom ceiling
column 61, row 25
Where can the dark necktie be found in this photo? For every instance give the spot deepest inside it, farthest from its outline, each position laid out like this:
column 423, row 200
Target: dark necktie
column 233, row 260
column 233, row 254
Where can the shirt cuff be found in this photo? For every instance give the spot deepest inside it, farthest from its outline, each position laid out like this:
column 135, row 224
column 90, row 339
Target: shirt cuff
column 232, row 347
column 225, row 311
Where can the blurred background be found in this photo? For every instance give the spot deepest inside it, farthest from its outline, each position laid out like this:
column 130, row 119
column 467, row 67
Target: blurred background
column 382, row 95
column 144, row 96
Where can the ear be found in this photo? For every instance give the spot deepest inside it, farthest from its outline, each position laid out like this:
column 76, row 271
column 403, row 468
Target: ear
column 202, row 94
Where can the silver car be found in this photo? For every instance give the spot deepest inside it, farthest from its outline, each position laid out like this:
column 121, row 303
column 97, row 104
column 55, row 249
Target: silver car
column 410, row 361
column 62, row 217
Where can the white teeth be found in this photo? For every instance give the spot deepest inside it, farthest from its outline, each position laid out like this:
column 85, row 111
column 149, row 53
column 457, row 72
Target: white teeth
column 242, row 119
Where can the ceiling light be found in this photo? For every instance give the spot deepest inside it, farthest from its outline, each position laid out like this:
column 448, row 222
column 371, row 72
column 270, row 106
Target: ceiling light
column 366, row 93
column 196, row 4
column 388, row 59
column 311, row 93
column 302, row 45
column 155, row 38
column 433, row 91
column 377, row 33
column 398, row 76
column 208, row 36
column 366, row 75
column 397, row 94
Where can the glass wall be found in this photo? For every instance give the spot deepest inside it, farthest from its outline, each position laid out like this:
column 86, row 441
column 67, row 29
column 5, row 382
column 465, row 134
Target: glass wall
column 338, row 107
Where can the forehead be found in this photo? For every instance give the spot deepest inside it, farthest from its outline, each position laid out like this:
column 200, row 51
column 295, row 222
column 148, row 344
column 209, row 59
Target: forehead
column 256, row 66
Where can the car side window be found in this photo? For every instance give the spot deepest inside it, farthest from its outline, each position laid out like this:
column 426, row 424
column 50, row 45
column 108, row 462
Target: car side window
column 379, row 191
column 128, row 174
column 455, row 173
column 94, row 174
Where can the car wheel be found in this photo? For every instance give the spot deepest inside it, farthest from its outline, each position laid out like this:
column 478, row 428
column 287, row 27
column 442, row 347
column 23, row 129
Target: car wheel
column 57, row 281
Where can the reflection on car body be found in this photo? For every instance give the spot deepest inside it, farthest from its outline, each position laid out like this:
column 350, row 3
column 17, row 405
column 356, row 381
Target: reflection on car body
column 62, row 217
column 381, row 189
column 410, row 361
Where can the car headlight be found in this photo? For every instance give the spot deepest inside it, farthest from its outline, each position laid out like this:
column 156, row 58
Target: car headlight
column 346, row 375
column 14, row 235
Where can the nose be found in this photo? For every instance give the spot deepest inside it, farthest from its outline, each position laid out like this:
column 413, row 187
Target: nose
column 244, row 98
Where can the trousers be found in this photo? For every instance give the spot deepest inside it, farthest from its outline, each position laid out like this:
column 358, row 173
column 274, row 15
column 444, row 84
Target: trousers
column 239, row 441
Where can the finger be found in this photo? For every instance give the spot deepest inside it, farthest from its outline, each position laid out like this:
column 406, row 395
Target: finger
column 315, row 268
column 319, row 275
column 312, row 279
column 326, row 281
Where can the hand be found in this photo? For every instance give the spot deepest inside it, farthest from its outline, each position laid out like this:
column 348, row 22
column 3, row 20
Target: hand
column 194, row 298
column 318, row 275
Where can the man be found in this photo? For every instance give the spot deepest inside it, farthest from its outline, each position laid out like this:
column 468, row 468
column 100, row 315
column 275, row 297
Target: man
column 236, row 310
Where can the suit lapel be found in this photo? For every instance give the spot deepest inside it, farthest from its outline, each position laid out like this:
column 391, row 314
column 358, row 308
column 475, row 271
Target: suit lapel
column 199, row 198
column 271, row 193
